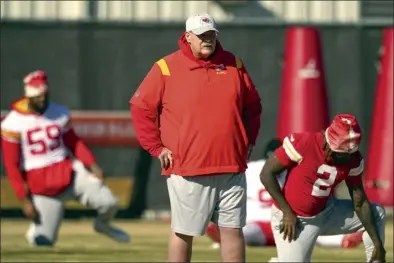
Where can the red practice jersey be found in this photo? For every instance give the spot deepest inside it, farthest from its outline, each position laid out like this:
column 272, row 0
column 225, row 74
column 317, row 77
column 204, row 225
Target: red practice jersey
column 311, row 178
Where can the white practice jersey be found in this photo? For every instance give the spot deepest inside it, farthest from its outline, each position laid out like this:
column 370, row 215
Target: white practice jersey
column 40, row 136
column 259, row 201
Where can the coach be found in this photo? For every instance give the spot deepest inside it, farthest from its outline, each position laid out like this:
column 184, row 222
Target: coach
column 198, row 112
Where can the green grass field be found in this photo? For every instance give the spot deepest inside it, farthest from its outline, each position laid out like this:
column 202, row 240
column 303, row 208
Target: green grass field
column 78, row 243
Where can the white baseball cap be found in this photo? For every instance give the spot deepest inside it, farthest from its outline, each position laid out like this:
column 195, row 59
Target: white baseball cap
column 199, row 24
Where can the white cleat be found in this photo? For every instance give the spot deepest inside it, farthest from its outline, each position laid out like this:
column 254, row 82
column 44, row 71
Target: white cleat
column 110, row 231
column 30, row 234
column 273, row 260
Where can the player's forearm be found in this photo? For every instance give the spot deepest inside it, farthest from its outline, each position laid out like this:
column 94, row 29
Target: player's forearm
column 84, row 154
column 364, row 213
column 78, row 148
column 271, row 184
column 18, row 183
column 362, row 207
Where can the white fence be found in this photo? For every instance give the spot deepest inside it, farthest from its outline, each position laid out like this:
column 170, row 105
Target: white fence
column 295, row 11
column 44, row 10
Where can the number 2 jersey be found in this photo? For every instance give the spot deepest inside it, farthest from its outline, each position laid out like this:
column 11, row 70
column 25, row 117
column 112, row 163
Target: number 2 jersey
column 311, row 178
column 37, row 149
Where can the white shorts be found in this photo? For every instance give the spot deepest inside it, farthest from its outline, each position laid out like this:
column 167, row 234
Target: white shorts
column 197, row 200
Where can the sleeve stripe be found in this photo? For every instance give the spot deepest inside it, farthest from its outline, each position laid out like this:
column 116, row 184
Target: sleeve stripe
column 8, row 139
column 239, row 63
column 163, row 67
column 291, row 151
column 358, row 170
column 10, row 135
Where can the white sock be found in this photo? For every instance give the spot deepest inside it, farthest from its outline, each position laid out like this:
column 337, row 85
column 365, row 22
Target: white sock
column 330, row 241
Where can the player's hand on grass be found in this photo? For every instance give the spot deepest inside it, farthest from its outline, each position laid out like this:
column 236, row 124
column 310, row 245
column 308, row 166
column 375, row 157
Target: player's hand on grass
column 289, row 226
column 378, row 255
column 166, row 159
column 29, row 210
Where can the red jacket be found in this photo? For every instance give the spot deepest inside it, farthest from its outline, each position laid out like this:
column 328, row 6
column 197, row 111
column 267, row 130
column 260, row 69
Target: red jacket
column 50, row 180
column 205, row 112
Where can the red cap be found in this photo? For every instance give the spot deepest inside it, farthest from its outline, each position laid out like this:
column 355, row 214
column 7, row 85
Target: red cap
column 344, row 134
column 36, row 83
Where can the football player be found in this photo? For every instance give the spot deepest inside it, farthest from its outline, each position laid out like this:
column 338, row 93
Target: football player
column 305, row 208
column 257, row 231
column 47, row 164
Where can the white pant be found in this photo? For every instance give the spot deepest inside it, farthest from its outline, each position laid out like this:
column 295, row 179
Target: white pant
column 337, row 218
column 260, row 234
column 85, row 188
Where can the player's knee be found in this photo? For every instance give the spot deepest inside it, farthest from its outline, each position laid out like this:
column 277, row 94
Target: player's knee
column 380, row 212
column 40, row 239
column 253, row 235
column 108, row 201
column 111, row 203
column 43, row 241
column 248, row 232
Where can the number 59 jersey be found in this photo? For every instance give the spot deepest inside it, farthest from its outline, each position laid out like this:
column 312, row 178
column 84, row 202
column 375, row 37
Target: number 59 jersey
column 40, row 136
column 311, row 178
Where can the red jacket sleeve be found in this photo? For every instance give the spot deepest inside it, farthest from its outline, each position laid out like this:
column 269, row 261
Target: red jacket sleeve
column 144, row 107
column 251, row 107
column 11, row 152
column 146, row 130
column 78, row 147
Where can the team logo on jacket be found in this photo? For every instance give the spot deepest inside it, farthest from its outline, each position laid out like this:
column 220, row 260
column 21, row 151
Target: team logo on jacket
column 220, row 69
